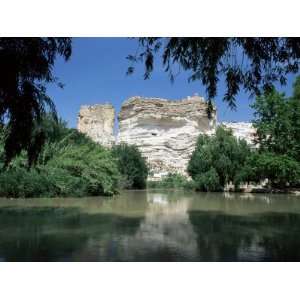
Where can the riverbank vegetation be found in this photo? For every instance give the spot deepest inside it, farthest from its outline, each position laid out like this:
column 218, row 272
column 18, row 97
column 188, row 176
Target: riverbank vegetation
column 71, row 164
column 171, row 181
column 132, row 166
column 217, row 160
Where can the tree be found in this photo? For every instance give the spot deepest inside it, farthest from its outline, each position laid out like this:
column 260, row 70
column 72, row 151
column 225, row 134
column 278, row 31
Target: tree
column 252, row 64
column 132, row 166
column 25, row 68
column 280, row 170
column 277, row 122
column 217, row 160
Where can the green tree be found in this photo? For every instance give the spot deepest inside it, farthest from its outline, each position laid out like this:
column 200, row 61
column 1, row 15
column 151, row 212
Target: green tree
column 132, row 166
column 252, row 64
column 208, row 181
column 280, row 170
column 217, row 159
column 26, row 66
column 277, row 121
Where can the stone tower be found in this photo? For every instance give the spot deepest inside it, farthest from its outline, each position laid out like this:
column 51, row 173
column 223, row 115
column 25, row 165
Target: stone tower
column 97, row 121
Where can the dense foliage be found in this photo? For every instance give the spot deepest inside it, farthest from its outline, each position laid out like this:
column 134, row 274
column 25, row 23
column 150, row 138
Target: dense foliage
column 70, row 164
column 277, row 121
column 217, row 160
column 26, row 67
column 171, row 181
column 279, row 170
column 132, row 166
column 251, row 64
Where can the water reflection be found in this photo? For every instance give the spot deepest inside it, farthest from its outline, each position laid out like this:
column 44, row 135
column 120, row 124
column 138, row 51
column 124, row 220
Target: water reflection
column 152, row 226
column 165, row 233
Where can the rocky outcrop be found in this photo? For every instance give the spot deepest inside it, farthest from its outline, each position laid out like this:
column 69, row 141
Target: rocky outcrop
column 165, row 131
column 97, row 121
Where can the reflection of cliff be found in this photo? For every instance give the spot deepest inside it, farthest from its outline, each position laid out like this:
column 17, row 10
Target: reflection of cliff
column 165, row 234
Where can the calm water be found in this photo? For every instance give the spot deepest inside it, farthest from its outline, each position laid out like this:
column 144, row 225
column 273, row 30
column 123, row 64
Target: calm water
column 152, row 226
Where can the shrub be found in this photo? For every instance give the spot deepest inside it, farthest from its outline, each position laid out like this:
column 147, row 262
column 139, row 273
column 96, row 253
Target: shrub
column 132, row 166
column 70, row 164
column 23, row 183
column 171, row 181
column 208, row 181
column 84, row 170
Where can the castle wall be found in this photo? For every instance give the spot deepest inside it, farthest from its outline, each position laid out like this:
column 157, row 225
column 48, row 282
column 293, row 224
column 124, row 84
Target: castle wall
column 97, row 121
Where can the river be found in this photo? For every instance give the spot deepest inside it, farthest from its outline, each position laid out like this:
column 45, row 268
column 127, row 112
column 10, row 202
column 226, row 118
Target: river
column 152, row 225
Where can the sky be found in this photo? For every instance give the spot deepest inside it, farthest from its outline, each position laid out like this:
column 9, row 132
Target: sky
column 96, row 73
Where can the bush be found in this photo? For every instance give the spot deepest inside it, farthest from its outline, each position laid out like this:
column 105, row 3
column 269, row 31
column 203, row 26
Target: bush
column 208, row 181
column 171, row 181
column 132, row 166
column 70, row 164
column 84, row 170
column 23, row 183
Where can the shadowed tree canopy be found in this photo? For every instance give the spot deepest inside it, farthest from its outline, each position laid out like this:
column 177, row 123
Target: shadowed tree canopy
column 252, row 64
column 25, row 68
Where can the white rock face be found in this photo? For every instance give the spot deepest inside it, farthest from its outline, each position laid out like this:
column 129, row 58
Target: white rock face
column 165, row 131
column 242, row 130
column 97, row 121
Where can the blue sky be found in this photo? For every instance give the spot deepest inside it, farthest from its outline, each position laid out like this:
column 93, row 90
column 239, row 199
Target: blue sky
column 96, row 73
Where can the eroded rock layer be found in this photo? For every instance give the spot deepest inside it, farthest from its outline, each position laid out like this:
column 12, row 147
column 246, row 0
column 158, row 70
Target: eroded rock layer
column 165, row 131
column 97, row 121
column 242, row 130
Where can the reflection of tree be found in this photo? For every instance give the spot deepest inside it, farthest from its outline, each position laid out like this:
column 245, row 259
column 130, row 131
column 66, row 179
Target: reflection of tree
column 153, row 226
column 43, row 234
column 255, row 237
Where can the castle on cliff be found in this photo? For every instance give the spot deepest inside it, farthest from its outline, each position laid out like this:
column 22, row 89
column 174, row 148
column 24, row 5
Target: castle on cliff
column 165, row 131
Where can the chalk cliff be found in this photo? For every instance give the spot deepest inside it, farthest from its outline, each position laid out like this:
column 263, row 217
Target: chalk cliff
column 165, row 131
column 242, row 130
column 97, row 121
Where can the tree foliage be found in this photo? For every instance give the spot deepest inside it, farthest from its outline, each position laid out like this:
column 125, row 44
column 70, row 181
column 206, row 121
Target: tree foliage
column 132, row 166
column 70, row 164
column 217, row 160
column 26, row 66
column 252, row 64
column 277, row 121
column 280, row 170
column 171, row 181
